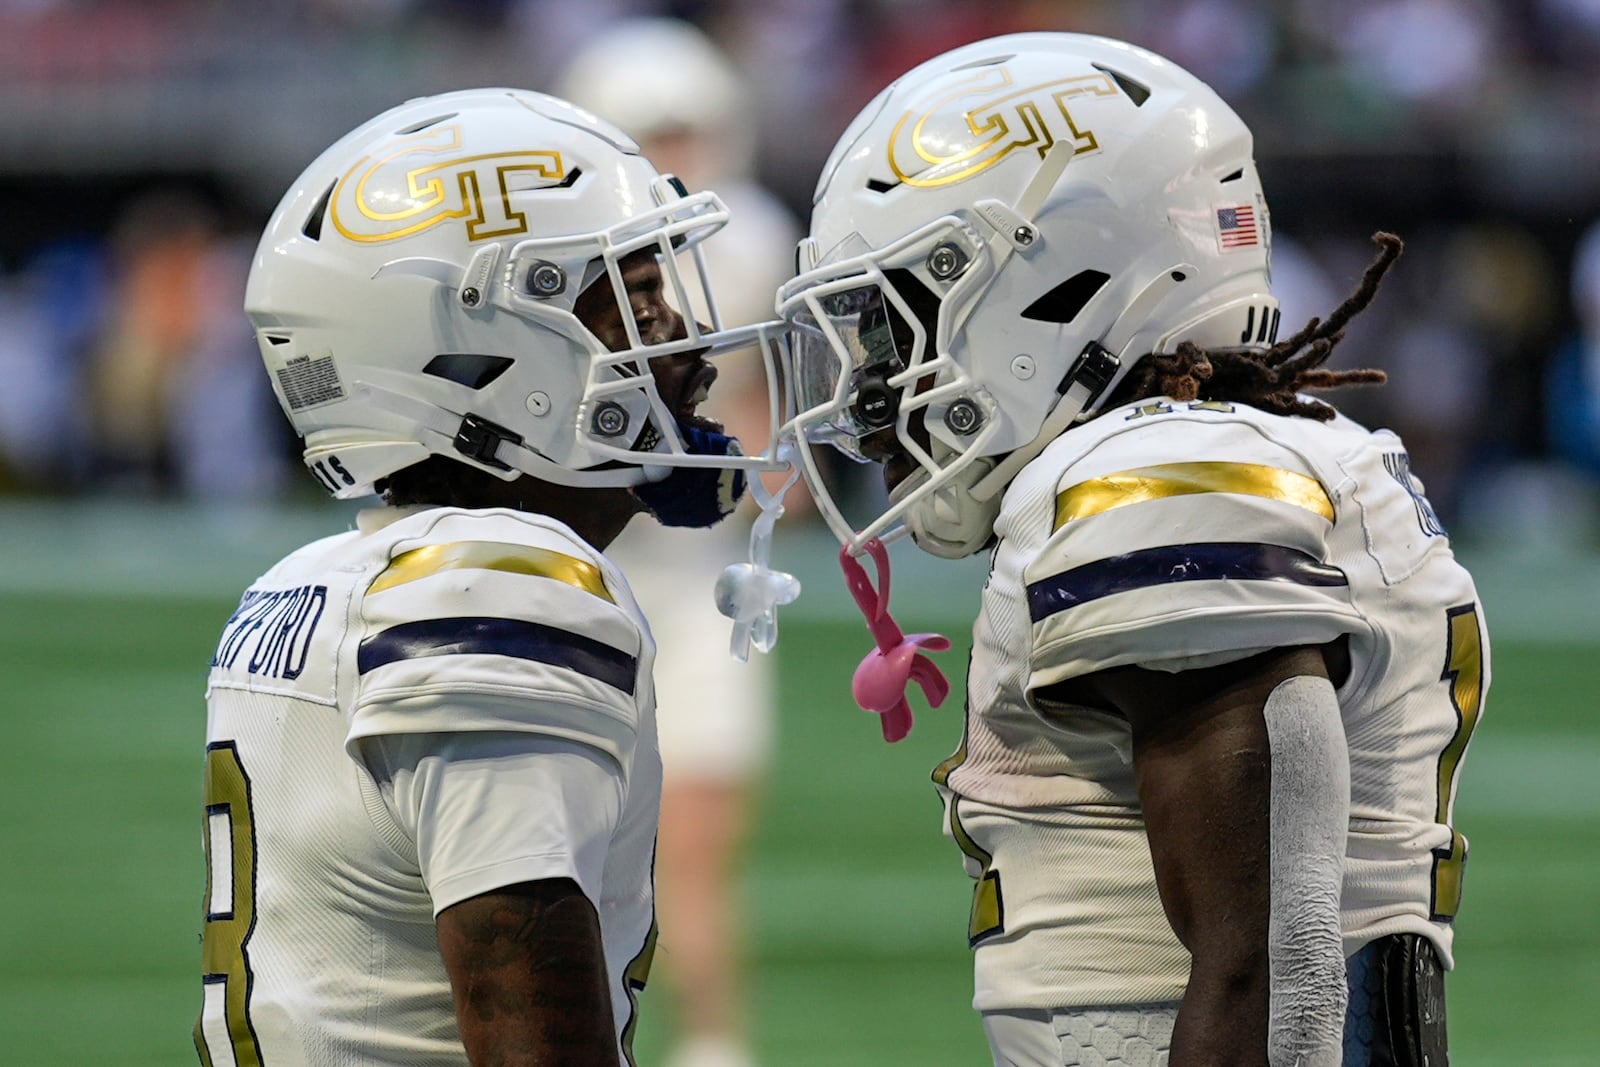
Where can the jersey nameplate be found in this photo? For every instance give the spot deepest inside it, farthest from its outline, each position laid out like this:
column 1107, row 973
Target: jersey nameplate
column 271, row 632
column 1403, row 530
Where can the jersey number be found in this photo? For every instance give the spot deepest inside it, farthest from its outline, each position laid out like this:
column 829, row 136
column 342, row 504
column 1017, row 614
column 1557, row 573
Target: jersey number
column 1463, row 672
column 223, row 1035
column 987, row 917
column 332, row 474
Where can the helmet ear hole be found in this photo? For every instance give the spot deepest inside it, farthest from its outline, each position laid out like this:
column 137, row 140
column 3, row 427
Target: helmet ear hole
column 467, row 368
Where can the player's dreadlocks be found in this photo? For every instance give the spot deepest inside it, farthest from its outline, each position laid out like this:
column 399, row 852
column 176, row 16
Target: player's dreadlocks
column 1268, row 380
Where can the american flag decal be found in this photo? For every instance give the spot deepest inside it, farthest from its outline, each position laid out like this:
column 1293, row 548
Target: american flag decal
column 1236, row 227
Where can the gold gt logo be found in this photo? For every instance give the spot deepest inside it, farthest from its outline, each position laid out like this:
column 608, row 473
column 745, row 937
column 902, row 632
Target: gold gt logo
column 397, row 192
column 942, row 139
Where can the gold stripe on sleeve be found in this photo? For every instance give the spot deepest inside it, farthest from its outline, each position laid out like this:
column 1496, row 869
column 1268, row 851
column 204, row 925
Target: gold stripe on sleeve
column 492, row 556
column 1141, row 484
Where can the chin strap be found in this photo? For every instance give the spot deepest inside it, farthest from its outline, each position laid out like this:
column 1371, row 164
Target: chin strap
column 881, row 681
column 696, row 497
column 1093, row 371
column 950, row 522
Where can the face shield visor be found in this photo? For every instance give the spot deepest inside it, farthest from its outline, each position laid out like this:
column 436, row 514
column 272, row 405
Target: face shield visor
column 842, row 354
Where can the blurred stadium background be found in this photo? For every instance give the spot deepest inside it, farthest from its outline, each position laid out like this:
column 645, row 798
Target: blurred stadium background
column 145, row 477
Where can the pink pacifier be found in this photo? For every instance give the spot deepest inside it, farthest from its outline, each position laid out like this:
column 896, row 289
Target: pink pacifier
column 881, row 681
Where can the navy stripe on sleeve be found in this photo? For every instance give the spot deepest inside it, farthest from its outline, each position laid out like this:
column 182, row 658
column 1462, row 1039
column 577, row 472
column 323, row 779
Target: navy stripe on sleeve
column 1177, row 563
column 500, row 637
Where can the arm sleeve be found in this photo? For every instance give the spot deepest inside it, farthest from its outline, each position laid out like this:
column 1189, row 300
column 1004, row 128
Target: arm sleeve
column 1309, row 820
column 491, row 809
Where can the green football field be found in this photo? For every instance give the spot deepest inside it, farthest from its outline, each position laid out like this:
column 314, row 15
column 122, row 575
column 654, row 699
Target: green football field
column 859, row 903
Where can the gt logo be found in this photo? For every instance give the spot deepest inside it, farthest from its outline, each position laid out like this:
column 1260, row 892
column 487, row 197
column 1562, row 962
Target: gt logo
column 930, row 147
column 398, row 191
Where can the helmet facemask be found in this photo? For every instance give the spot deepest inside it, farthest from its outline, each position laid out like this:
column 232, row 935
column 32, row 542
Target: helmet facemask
column 423, row 276
column 623, row 414
column 870, row 373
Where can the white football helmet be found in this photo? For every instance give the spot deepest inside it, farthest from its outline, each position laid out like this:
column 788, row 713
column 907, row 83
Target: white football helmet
column 997, row 238
column 413, row 294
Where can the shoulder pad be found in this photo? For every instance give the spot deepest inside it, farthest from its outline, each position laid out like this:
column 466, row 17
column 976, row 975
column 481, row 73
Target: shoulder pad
column 496, row 621
column 1185, row 533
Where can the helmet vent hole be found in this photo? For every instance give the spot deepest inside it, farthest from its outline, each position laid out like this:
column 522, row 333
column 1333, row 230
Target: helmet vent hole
column 418, row 127
column 467, row 368
column 877, row 186
column 276, row 339
column 313, row 223
column 1235, row 176
column 1063, row 303
column 992, row 61
column 1137, row 91
column 523, row 181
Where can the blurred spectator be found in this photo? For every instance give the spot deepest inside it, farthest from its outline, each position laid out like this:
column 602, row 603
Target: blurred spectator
column 1438, row 391
column 130, row 366
column 1434, row 53
column 173, row 400
column 671, row 88
column 1229, row 44
column 1572, row 393
column 49, row 314
column 807, row 54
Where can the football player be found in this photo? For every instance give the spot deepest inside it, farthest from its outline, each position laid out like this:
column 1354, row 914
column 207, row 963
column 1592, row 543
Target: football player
column 432, row 779
column 1226, row 666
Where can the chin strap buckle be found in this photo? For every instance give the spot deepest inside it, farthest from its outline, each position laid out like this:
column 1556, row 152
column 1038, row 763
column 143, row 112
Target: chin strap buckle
column 479, row 439
column 1094, row 368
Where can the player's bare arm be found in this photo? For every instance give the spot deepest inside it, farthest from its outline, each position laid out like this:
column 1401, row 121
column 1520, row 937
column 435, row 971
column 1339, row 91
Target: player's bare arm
column 529, row 977
column 1203, row 766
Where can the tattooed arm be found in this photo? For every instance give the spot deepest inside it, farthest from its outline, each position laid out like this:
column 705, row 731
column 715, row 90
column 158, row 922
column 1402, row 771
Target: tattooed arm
column 529, row 976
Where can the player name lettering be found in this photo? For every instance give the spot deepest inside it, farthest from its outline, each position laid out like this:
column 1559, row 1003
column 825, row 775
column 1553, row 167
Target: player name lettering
column 276, row 627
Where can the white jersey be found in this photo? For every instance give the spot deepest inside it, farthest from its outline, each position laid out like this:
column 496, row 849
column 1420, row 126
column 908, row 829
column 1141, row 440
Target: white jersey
column 494, row 630
column 1171, row 536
